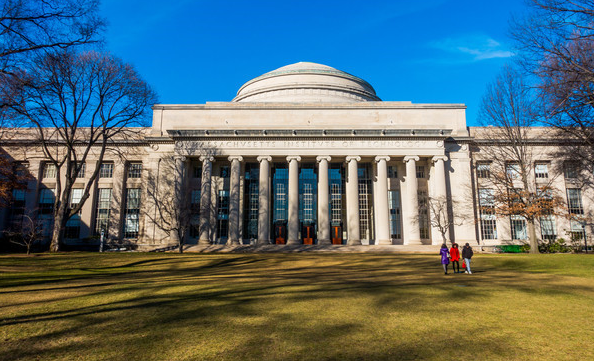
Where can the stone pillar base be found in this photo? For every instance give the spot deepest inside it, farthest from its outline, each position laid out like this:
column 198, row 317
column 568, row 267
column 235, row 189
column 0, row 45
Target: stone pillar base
column 262, row 241
column 385, row 242
column 354, row 242
column 233, row 242
column 324, row 241
column 294, row 241
column 414, row 242
column 204, row 241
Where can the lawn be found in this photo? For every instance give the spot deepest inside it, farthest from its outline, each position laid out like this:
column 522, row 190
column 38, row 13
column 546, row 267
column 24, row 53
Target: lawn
column 306, row 306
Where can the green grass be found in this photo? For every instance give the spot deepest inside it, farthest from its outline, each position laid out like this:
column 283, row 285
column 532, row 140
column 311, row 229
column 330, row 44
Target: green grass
column 294, row 307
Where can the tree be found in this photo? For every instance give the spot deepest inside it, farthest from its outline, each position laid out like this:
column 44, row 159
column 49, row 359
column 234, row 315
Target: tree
column 29, row 233
column 556, row 45
column 440, row 218
column 80, row 104
column 173, row 209
column 508, row 110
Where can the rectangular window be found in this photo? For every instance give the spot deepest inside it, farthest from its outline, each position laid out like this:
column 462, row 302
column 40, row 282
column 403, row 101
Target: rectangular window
column 487, row 213
column 102, row 210
column 578, row 230
column 423, row 214
column 483, row 170
column 518, row 228
column 21, row 169
column 106, row 170
column 541, row 170
column 134, row 170
column 132, row 215
column 570, row 170
column 17, row 207
column 197, row 171
column 82, row 167
column 392, row 171
column 49, row 170
column 548, row 229
column 72, row 230
column 394, row 203
column 512, row 170
column 46, row 201
column 224, row 171
column 420, row 171
column 574, row 201
column 223, row 214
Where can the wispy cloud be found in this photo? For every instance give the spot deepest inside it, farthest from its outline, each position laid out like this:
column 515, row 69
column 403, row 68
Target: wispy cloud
column 473, row 47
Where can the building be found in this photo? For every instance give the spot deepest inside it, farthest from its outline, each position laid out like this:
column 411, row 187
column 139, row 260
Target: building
column 303, row 154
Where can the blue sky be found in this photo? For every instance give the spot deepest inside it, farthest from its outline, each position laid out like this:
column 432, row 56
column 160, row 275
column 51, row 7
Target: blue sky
column 426, row 51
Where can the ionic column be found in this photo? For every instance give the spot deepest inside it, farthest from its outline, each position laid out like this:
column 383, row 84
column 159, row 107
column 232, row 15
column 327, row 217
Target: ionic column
column 381, row 201
column 234, row 200
column 264, row 200
column 412, row 234
column 352, row 200
column 205, row 202
column 439, row 195
column 293, row 226
column 178, row 195
column 323, row 200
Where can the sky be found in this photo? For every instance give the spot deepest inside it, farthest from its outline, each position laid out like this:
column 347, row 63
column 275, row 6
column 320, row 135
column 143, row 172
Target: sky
column 424, row 51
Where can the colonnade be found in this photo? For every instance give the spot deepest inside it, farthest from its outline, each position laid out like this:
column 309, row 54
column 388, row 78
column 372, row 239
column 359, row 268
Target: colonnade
column 410, row 221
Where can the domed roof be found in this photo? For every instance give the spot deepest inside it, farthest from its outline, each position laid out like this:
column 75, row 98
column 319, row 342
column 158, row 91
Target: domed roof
column 304, row 83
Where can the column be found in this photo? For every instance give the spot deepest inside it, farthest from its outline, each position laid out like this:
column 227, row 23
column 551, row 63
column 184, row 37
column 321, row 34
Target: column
column 381, row 201
column 234, row 200
column 352, row 200
column 411, row 233
column 323, row 200
column 264, row 200
column 293, row 226
column 440, row 197
column 177, row 198
column 205, row 203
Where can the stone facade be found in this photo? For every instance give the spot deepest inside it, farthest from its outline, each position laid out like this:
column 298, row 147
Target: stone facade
column 303, row 154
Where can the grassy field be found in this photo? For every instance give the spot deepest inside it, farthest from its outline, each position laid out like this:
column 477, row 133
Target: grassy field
column 294, row 307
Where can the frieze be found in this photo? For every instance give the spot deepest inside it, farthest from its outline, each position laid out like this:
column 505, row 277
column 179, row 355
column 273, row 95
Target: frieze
column 307, row 144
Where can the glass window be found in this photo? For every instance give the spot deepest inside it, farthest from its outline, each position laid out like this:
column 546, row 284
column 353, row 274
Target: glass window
column 487, row 213
column 102, row 210
column 196, row 171
column 420, row 171
column 548, row 228
column 423, row 214
column 394, row 203
column 308, row 194
column 512, row 170
column 570, row 170
column 49, row 170
column 251, row 200
column 132, row 214
column 223, row 214
column 574, row 201
column 224, row 171
column 134, row 170
column 541, row 170
column 106, row 170
column 82, row 167
column 483, row 170
column 46, row 201
column 365, row 200
column 392, row 171
column 336, row 180
column 518, row 228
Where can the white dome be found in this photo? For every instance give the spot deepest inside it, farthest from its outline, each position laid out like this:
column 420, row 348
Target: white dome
column 304, row 83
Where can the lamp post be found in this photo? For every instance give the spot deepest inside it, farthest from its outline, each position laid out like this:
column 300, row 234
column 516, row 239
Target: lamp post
column 102, row 240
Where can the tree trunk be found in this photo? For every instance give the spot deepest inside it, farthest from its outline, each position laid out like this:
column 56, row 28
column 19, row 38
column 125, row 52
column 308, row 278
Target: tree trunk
column 58, row 229
column 532, row 236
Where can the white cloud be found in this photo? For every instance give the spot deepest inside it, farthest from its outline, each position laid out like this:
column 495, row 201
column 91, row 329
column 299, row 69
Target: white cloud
column 478, row 47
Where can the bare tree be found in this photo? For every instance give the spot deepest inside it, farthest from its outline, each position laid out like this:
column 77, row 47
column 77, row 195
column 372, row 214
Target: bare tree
column 29, row 233
column 173, row 209
column 81, row 104
column 508, row 110
column 556, row 45
column 440, row 216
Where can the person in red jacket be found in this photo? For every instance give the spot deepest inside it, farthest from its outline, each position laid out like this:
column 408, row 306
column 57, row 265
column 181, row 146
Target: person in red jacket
column 455, row 257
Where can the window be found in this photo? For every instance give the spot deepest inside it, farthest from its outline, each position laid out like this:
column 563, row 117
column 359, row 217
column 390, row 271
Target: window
column 106, row 170
column 394, row 203
column 82, row 167
column 392, row 171
column 578, row 230
column 21, row 169
column 308, row 194
column 548, row 229
column 420, row 171
column 483, row 170
column 518, row 227
column 541, row 170
column 423, row 214
column 134, row 170
column 72, row 230
column 46, row 201
column 196, row 171
column 195, row 213
column 570, row 170
column 132, row 215
column 49, row 170
column 224, row 171
column 365, row 200
column 223, row 214
column 102, row 210
column 487, row 213
column 17, row 209
column 574, row 201
column 512, row 170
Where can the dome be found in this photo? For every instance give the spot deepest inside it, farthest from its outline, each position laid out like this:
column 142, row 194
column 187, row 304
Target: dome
column 305, row 83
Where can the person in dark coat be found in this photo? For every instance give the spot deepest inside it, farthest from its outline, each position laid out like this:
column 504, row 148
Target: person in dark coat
column 444, row 257
column 467, row 254
column 455, row 257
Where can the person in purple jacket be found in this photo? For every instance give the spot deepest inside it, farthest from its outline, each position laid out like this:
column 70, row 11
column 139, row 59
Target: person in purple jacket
column 444, row 257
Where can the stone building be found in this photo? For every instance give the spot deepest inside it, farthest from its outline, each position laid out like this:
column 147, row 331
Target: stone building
column 303, row 154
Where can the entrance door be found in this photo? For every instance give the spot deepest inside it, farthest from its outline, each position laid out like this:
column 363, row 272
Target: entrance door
column 307, row 233
column 280, row 233
column 336, row 234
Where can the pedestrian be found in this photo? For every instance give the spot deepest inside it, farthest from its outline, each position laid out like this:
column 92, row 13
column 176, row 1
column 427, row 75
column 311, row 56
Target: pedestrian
column 444, row 258
column 455, row 257
column 467, row 255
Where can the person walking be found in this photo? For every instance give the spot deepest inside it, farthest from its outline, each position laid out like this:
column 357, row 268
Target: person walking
column 444, row 258
column 467, row 254
column 455, row 258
